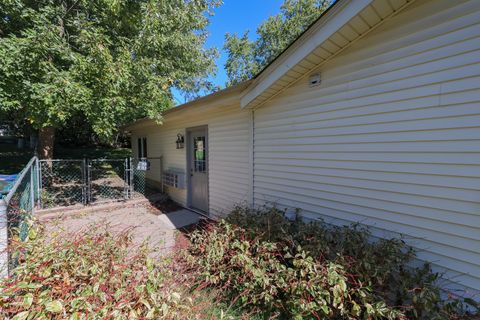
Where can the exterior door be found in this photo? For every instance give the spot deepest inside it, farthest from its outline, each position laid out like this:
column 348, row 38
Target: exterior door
column 198, row 167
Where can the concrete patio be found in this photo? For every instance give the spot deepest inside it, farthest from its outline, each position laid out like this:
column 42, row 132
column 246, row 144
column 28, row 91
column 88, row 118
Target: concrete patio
column 146, row 223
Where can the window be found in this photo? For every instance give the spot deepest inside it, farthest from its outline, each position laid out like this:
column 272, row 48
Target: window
column 142, row 147
column 199, row 161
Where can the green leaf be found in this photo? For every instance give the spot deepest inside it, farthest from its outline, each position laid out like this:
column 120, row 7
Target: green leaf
column 32, row 233
column 55, row 306
column 28, row 300
column 356, row 310
column 21, row 316
column 150, row 314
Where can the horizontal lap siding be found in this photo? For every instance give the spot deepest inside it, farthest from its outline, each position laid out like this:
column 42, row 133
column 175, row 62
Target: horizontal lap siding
column 391, row 137
column 229, row 135
column 229, row 141
column 161, row 143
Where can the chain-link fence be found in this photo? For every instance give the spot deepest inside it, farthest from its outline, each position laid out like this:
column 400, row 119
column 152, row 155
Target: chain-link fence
column 16, row 208
column 62, row 182
column 52, row 183
column 88, row 181
column 107, row 180
column 146, row 174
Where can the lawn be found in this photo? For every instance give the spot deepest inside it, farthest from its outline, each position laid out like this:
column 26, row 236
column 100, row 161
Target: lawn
column 13, row 159
column 91, row 152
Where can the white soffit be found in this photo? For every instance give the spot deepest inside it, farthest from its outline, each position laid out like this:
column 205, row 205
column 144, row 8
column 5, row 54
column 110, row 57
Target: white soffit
column 344, row 23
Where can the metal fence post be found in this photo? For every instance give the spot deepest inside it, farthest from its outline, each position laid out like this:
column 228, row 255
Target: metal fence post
column 126, row 185
column 85, row 173
column 3, row 239
column 32, row 190
column 39, row 183
column 132, row 177
column 84, row 167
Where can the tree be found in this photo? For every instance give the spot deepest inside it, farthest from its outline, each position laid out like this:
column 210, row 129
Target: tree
column 112, row 61
column 247, row 58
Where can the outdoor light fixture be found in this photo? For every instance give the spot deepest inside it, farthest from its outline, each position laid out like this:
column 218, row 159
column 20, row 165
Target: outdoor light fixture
column 180, row 141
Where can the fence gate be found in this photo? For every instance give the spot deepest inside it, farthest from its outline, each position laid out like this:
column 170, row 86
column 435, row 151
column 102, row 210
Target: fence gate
column 85, row 181
column 107, row 180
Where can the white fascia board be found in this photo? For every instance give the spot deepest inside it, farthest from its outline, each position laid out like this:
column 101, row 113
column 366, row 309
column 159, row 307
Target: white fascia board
column 339, row 15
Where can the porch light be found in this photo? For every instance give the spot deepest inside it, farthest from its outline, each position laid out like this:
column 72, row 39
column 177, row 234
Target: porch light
column 180, row 141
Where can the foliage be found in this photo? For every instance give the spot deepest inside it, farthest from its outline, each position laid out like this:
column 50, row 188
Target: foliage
column 246, row 58
column 295, row 269
column 279, row 281
column 256, row 266
column 105, row 61
column 87, row 277
column 13, row 159
column 92, row 153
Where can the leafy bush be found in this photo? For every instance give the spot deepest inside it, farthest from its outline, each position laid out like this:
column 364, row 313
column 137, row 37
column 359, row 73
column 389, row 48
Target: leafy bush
column 301, row 270
column 279, row 281
column 255, row 265
column 96, row 275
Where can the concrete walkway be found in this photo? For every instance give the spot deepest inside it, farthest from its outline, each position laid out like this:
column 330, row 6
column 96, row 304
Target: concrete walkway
column 146, row 223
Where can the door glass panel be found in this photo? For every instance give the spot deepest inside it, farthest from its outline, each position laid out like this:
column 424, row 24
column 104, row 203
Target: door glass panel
column 199, row 154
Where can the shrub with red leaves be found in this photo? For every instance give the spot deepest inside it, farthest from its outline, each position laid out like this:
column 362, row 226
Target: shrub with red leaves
column 94, row 275
column 297, row 270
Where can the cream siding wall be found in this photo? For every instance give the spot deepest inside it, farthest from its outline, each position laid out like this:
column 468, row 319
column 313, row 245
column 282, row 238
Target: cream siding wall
column 391, row 138
column 229, row 148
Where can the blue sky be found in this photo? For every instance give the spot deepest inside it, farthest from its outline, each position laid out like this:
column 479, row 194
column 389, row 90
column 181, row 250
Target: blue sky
column 235, row 16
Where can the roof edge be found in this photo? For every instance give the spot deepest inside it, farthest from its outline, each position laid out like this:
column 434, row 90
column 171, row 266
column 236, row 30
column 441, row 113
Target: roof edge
column 238, row 88
column 328, row 23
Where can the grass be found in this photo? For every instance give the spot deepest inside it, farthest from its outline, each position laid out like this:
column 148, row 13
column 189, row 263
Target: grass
column 14, row 159
column 91, row 152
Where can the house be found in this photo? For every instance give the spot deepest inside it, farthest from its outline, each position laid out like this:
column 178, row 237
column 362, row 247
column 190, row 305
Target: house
column 372, row 115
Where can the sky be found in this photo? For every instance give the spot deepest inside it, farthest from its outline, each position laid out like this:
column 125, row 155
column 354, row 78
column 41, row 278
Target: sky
column 234, row 16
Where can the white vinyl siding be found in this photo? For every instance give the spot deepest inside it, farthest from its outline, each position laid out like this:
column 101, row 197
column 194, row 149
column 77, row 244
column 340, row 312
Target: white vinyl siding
column 391, row 137
column 228, row 163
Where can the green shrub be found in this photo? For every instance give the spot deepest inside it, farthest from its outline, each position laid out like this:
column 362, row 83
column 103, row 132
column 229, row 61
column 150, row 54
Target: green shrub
column 278, row 281
column 313, row 270
column 255, row 265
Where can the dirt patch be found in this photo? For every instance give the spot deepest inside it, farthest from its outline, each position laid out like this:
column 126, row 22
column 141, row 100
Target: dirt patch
column 182, row 239
column 164, row 206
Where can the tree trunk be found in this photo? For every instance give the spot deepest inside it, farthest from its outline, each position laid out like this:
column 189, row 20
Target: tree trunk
column 46, row 139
